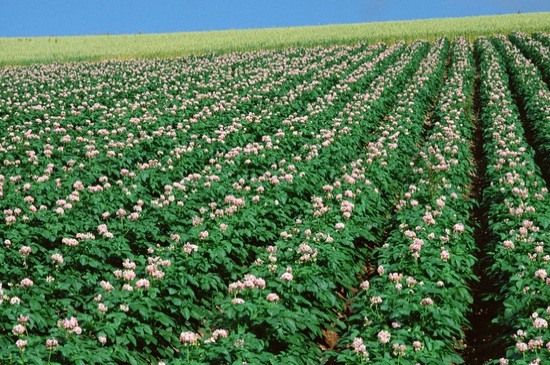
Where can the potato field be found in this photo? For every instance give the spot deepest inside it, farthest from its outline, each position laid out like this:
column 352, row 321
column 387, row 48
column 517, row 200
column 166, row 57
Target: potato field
column 330, row 205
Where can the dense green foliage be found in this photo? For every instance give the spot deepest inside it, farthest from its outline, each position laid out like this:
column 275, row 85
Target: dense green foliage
column 297, row 206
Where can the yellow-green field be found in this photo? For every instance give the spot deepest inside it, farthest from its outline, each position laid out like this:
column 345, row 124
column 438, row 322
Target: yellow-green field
column 24, row 51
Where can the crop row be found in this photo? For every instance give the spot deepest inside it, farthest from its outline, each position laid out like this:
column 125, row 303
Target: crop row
column 515, row 196
column 531, row 90
column 414, row 309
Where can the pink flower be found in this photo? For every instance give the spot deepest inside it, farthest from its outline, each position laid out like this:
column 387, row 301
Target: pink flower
column 375, row 300
column 106, row 285
column 127, row 264
column 21, row 344
column 128, row 275
column 540, row 323
column 51, row 344
column 18, row 330
column 522, row 346
column 445, row 256
column 188, row 248
column 359, row 347
column 57, row 258
column 365, row 285
column 384, row 336
column 236, row 301
column 23, row 319
column 287, row 276
column 189, row 338
column 26, row 282
column 203, row 235
column 541, row 273
column 70, row 242
column 508, row 244
column 427, row 302
column 71, row 325
column 127, row 287
column 218, row 333
column 142, row 283
column 272, row 297
column 24, row 251
column 102, row 339
column 102, row 308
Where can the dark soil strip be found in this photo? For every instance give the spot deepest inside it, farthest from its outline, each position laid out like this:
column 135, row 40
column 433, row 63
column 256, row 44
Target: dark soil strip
column 481, row 343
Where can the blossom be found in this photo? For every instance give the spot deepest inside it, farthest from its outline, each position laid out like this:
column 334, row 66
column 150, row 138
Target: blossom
column 18, row 330
column 26, row 282
column 399, row 350
column 540, row 323
column 102, row 339
column 384, row 336
column 127, row 287
column 445, row 255
column 459, row 227
column 375, row 300
column 51, row 344
column 188, row 248
column 508, row 244
column 365, row 285
column 427, row 302
column 541, row 273
column 287, row 276
column 359, row 347
column 23, row 319
column 190, row 338
column 70, row 324
column 56, row 257
column 142, row 283
column 522, row 346
column 21, row 344
column 236, row 301
column 217, row 333
column 127, row 264
column 272, row 297
column 128, row 275
column 25, row 251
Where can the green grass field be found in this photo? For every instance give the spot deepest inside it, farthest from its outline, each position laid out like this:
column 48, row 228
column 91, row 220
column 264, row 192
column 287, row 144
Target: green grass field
column 25, row 51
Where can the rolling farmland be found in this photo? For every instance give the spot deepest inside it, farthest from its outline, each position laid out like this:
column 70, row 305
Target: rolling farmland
column 343, row 204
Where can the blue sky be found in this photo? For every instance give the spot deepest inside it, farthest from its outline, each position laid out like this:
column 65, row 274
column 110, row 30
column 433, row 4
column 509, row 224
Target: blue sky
column 26, row 18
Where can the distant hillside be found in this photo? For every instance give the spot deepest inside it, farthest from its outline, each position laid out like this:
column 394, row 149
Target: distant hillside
column 24, row 51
